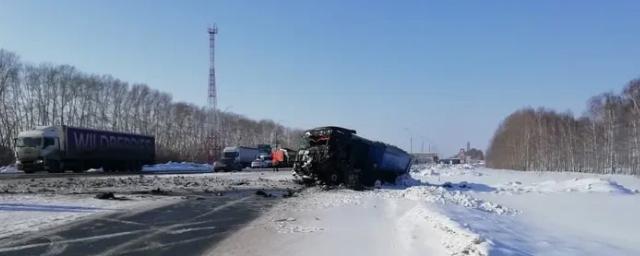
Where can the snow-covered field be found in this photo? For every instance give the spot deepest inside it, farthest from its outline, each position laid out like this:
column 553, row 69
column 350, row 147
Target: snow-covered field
column 455, row 211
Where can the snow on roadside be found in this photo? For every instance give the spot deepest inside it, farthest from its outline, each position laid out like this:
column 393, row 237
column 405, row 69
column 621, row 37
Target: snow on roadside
column 573, row 185
column 387, row 221
column 454, row 210
column 178, row 167
column 21, row 213
column 9, row 169
column 558, row 213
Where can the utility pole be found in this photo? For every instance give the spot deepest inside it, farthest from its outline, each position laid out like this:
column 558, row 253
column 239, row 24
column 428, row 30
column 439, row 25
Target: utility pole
column 213, row 126
column 411, row 144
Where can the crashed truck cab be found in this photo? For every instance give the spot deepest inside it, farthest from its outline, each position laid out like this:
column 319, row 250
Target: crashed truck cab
column 334, row 155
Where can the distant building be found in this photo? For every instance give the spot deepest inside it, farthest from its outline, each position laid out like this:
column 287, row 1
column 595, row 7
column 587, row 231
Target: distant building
column 424, row 158
column 450, row 161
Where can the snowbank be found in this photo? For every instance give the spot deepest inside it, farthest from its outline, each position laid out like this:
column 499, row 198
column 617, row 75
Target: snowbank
column 573, row 185
column 178, row 167
column 558, row 213
column 9, row 169
column 388, row 221
column 446, row 170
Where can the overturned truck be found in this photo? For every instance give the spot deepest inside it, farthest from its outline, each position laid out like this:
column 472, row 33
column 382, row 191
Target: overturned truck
column 333, row 155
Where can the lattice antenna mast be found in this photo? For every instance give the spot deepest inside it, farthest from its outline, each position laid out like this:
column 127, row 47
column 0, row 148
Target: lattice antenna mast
column 213, row 95
column 213, row 127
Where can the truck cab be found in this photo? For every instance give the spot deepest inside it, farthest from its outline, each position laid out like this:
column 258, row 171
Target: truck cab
column 236, row 158
column 38, row 149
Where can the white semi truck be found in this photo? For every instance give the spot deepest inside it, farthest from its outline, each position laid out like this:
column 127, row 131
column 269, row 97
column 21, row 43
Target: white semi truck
column 236, row 158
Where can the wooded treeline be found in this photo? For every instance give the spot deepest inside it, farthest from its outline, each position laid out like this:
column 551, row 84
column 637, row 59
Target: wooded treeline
column 47, row 94
column 606, row 139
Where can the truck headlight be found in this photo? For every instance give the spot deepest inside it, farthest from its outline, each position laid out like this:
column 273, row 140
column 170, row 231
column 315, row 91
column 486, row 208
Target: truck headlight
column 39, row 161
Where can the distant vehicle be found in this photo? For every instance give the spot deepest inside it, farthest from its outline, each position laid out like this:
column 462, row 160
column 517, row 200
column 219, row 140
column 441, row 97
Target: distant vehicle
column 451, row 161
column 256, row 163
column 60, row 148
column 264, row 148
column 334, row 155
column 263, row 161
column 236, row 158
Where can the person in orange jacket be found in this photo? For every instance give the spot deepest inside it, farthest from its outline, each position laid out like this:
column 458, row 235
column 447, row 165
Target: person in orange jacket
column 277, row 157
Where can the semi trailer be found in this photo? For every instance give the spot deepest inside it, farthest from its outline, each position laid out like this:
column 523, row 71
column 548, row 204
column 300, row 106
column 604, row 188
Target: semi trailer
column 334, row 155
column 60, row 148
column 236, row 158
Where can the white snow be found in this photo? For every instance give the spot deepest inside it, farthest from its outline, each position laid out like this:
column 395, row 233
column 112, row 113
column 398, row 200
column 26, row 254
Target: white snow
column 387, row 221
column 460, row 210
column 572, row 185
column 178, row 167
column 558, row 213
column 9, row 169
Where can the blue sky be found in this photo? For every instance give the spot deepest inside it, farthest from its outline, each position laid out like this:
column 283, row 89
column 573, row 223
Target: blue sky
column 443, row 72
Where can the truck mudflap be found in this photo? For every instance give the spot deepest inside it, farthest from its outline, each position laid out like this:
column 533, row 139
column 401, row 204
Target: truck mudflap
column 336, row 156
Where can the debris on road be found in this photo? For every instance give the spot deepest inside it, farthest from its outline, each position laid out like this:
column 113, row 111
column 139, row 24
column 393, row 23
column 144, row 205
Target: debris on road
column 159, row 191
column 109, row 196
column 263, row 193
column 285, row 219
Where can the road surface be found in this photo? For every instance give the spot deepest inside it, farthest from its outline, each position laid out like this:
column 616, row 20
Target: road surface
column 186, row 228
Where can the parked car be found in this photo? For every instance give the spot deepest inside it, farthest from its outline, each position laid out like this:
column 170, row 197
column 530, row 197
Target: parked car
column 263, row 161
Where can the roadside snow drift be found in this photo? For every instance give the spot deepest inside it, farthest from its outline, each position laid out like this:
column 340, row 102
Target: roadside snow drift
column 178, row 167
column 387, row 221
column 454, row 210
column 9, row 169
column 573, row 185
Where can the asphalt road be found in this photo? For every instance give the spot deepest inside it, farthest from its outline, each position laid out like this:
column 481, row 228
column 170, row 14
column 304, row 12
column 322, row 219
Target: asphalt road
column 189, row 227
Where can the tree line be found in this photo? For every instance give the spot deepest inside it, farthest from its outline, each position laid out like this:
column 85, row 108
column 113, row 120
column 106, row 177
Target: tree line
column 606, row 139
column 46, row 94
